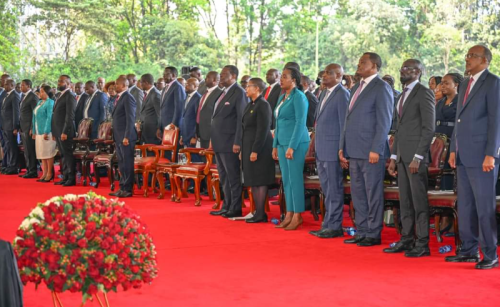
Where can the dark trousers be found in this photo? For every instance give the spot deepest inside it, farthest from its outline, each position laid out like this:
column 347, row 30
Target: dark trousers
column 125, row 155
column 29, row 152
column 414, row 204
column 228, row 166
column 68, row 160
column 5, row 153
column 11, row 150
column 331, row 178
column 367, row 190
column 476, row 210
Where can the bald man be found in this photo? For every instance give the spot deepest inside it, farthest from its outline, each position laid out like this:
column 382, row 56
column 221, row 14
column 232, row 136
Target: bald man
column 100, row 84
column 125, row 136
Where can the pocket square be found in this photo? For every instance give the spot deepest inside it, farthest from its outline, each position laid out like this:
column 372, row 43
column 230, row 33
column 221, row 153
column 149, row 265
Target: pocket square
column 227, row 103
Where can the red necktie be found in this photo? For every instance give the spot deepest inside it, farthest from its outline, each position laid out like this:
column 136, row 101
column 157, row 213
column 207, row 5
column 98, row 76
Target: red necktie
column 468, row 90
column 267, row 92
column 145, row 95
column 358, row 91
column 401, row 101
column 201, row 106
column 116, row 100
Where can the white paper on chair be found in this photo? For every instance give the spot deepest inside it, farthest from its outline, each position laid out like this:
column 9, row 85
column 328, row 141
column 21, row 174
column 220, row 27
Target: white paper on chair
column 246, row 217
column 313, row 177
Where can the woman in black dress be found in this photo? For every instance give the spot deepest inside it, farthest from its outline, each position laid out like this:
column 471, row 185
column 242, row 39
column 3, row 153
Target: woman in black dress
column 256, row 153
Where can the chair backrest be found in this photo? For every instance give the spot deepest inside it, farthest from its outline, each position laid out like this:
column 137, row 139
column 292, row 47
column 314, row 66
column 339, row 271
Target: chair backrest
column 311, row 152
column 138, row 128
column 391, row 141
column 105, row 131
column 170, row 136
column 85, row 128
column 439, row 150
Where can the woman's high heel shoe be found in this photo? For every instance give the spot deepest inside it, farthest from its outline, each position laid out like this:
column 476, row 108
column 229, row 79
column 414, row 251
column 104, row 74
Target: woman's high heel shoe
column 286, row 221
column 48, row 180
column 296, row 223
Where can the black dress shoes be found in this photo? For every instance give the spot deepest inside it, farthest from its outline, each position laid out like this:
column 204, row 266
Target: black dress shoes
column 124, row 194
column 330, row 233
column 30, row 176
column 463, row 258
column 257, row 219
column 369, row 242
column 232, row 214
column 60, row 182
column 220, row 212
column 399, row 248
column 69, row 183
column 418, row 251
column 354, row 240
column 315, row 232
column 11, row 172
column 115, row 193
column 487, row 264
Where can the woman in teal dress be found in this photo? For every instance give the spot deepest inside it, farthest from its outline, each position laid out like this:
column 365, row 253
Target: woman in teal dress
column 291, row 141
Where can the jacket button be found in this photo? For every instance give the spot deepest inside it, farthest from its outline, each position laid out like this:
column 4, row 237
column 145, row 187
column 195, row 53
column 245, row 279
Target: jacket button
column 458, row 120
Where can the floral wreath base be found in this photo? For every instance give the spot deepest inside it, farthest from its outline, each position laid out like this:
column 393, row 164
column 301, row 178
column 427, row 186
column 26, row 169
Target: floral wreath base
column 85, row 243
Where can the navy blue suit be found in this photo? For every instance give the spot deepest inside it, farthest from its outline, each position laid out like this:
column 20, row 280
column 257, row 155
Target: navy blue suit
column 188, row 122
column 10, row 122
column 330, row 119
column 366, row 128
column 96, row 110
column 3, row 94
column 124, row 127
column 171, row 105
column 476, row 135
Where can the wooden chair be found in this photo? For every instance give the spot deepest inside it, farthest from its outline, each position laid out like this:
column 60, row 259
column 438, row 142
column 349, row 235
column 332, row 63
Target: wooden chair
column 196, row 171
column 438, row 153
column 312, row 184
column 104, row 133
column 105, row 155
column 146, row 165
column 81, row 145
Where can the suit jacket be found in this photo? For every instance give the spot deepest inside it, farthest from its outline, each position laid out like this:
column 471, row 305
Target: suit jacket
column 80, row 105
column 149, row 116
column 10, row 111
column 42, row 121
column 206, row 113
column 330, row 121
column 28, row 104
column 139, row 97
column 273, row 97
column 226, row 129
column 415, row 128
column 202, row 88
column 124, row 119
column 291, row 127
column 368, row 122
column 477, row 132
column 96, row 110
column 311, row 108
column 3, row 94
column 63, row 115
column 188, row 122
column 172, row 105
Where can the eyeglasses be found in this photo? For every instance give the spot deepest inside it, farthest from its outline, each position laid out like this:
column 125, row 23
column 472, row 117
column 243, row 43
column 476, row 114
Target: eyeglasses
column 473, row 55
column 407, row 68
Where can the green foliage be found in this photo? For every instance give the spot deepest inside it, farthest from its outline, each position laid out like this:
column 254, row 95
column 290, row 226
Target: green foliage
column 8, row 37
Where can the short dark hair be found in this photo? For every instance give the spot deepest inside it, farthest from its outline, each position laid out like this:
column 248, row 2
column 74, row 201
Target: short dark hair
column 375, row 59
column 11, row 81
column 437, row 79
column 194, row 68
column 389, row 79
column 457, row 78
column 293, row 65
column 48, row 90
column 233, row 70
column 259, row 83
column 306, row 79
column 27, row 82
column 67, row 77
column 295, row 74
column 90, row 82
column 173, row 70
column 148, row 78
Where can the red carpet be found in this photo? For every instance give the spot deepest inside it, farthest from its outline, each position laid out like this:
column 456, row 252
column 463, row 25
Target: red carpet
column 210, row 261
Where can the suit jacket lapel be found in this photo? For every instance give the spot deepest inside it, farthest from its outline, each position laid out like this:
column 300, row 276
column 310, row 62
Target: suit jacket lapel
column 168, row 92
column 362, row 94
column 330, row 98
column 145, row 102
column 475, row 89
column 226, row 97
column 409, row 99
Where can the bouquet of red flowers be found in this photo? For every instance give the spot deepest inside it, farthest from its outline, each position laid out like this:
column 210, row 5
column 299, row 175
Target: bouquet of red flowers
column 85, row 243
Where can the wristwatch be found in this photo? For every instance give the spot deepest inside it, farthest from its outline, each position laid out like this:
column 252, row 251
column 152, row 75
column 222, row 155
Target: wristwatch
column 416, row 159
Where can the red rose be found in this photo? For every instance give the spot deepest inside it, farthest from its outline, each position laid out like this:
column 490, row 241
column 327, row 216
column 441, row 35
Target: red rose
column 99, row 257
column 92, row 289
column 135, row 269
column 104, row 245
column 76, row 287
column 82, row 243
column 93, row 272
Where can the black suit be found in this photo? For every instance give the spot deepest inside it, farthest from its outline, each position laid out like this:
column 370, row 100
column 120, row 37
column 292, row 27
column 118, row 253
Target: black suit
column 225, row 132
column 311, row 109
column 149, row 116
column 80, row 106
column 3, row 94
column 28, row 104
column 63, row 121
column 272, row 98
column 10, row 122
column 206, row 113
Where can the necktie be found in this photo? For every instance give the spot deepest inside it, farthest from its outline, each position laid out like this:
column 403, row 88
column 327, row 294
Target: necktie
column 468, row 90
column 77, row 98
column 401, row 101
column 164, row 92
column 218, row 100
column 358, row 91
column 267, row 92
column 324, row 99
column 145, row 95
column 116, row 100
column 201, row 106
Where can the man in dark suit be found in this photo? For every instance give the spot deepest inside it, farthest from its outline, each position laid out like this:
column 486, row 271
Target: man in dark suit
column 313, row 101
column 10, row 127
column 330, row 118
column 273, row 91
column 319, row 89
column 63, row 129
column 415, row 125
column 172, row 101
column 95, row 107
column 150, row 110
column 206, row 108
column 188, row 122
column 101, row 82
column 125, row 136
column 475, row 152
column 364, row 140
column 137, row 93
column 390, row 80
column 81, row 98
column 160, row 84
column 3, row 94
column 226, row 133
column 28, row 104
column 195, row 72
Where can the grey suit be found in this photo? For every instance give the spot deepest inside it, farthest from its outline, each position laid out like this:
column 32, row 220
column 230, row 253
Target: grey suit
column 63, row 121
column 414, row 133
column 150, row 113
column 28, row 104
column 206, row 113
column 138, row 96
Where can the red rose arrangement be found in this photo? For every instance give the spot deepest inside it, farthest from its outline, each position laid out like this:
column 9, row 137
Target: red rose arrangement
column 85, row 243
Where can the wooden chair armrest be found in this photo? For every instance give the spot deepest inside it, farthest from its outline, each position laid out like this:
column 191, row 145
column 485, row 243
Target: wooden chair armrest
column 310, row 160
column 108, row 142
column 95, row 141
column 81, row 140
column 192, row 150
